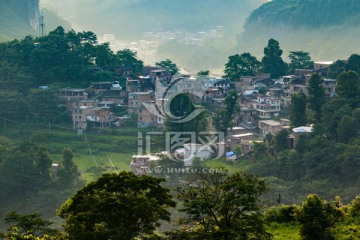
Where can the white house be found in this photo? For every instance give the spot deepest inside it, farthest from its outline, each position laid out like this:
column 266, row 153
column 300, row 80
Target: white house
column 192, row 150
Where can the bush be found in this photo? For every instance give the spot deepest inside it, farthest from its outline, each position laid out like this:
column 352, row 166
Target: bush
column 317, row 217
column 355, row 207
column 282, row 214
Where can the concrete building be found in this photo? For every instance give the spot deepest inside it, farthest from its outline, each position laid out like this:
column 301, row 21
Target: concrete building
column 95, row 117
column 271, row 126
column 267, row 107
column 329, row 85
column 72, row 94
column 192, row 150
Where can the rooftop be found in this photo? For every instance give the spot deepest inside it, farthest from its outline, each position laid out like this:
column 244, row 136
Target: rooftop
column 242, row 135
column 303, row 129
column 271, row 122
column 73, row 89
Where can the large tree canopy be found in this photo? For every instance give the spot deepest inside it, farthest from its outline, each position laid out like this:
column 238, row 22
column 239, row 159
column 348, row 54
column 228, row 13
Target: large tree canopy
column 117, row 206
column 272, row 61
column 348, row 85
column 168, row 65
column 316, row 95
column 300, row 60
column 241, row 65
column 224, row 206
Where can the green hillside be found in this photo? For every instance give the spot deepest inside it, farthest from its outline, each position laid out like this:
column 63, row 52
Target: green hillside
column 328, row 29
column 307, row 13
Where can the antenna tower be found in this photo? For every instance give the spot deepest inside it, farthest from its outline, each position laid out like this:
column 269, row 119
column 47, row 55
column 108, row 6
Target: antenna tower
column 42, row 22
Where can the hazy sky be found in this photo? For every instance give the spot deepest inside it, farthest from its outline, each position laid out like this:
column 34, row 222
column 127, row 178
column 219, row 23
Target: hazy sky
column 119, row 15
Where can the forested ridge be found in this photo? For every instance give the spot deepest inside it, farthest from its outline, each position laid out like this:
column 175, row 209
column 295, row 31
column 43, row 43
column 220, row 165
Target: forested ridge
column 326, row 28
column 307, row 13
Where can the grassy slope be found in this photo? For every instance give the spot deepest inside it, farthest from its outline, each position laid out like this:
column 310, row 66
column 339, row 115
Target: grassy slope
column 287, row 231
column 118, row 147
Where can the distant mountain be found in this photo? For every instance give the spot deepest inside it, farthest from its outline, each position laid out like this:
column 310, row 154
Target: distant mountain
column 306, row 13
column 329, row 29
column 19, row 18
column 129, row 19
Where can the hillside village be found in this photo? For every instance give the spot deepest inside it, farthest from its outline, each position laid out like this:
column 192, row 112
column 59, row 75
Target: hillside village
column 263, row 101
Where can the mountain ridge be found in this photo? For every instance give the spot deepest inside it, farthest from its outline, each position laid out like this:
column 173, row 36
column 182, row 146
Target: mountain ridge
column 328, row 29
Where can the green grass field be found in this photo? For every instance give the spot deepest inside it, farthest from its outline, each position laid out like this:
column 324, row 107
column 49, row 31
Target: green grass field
column 116, row 146
column 290, row 231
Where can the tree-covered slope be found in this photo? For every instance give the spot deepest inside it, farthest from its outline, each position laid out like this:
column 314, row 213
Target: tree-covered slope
column 329, row 29
column 307, row 13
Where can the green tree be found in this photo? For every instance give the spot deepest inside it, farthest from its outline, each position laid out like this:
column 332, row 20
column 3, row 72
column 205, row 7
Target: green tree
column 13, row 105
column 203, row 73
column 238, row 150
column 348, row 85
column 224, row 206
column 350, row 163
column 272, row 61
column 316, row 218
column 298, row 110
column 332, row 113
column 354, row 63
column 24, row 164
column 316, row 95
column 259, row 151
column 300, row 145
column 186, row 116
column 105, row 56
column 128, row 58
column 223, row 119
column 281, row 141
column 168, row 65
column 336, row 68
column 31, row 224
column 68, row 171
column 14, row 78
column 241, row 65
column 117, row 206
column 355, row 207
column 300, row 60
column 347, row 129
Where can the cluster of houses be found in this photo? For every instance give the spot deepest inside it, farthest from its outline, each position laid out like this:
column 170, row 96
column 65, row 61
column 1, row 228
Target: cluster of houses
column 264, row 104
column 263, row 101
